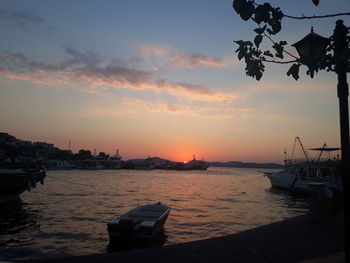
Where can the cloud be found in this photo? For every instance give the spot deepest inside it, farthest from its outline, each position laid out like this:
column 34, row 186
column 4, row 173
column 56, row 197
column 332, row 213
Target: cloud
column 172, row 58
column 92, row 73
column 23, row 19
column 77, row 58
column 139, row 106
column 194, row 61
column 157, row 50
column 184, row 86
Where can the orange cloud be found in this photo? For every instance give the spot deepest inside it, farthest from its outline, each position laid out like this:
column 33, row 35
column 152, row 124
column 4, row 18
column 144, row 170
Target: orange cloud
column 194, row 61
column 212, row 110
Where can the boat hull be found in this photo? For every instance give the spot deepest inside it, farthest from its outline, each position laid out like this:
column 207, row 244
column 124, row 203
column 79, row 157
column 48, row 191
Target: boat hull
column 144, row 222
column 15, row 182
column 293, row 182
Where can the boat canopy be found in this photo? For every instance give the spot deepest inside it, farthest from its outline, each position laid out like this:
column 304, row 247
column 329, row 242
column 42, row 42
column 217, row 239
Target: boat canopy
column 325, row 149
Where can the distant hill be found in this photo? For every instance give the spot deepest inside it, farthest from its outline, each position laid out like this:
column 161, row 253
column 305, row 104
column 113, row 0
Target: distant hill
column 247, row 165
column 157, row 161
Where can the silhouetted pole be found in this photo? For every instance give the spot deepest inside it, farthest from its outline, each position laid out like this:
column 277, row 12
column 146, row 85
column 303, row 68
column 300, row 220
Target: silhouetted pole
column 340, row 46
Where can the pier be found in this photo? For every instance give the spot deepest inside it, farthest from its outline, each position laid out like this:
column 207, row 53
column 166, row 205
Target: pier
column 292, row 240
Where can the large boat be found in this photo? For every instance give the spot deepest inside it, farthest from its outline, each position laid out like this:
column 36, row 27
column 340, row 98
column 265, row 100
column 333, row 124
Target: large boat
column 58, row 165
column 115, row 162
column 13, row 182
column 191, row 165
column 143, row 222
column 299, row 173
column 90, row 164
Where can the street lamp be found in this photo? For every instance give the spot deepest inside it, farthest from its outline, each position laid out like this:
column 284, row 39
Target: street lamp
column 311, row 49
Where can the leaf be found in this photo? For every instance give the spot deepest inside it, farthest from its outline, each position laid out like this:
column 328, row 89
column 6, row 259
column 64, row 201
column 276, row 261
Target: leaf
column 279, row 50
column 260, row 30
column 247, row 11
column 238, row 5
column 279, row 55
column 262, row 13
column 257, row 40
column 258, row 75
column 241, row 54
column 283, row 43
column 275, row 26
column 277, row 13
column 239, row 42
column 311, row 73
column 258, row 53
column 316, row 2
column 244, row 8
column 267, row 6
column 294, row 71
column 268, row 53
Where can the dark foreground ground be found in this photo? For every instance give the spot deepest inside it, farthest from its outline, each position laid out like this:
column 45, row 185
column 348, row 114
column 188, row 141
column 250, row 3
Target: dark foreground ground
column 291, row 240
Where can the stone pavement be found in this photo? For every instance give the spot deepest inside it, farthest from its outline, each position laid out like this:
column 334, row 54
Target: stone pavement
column 291, row 240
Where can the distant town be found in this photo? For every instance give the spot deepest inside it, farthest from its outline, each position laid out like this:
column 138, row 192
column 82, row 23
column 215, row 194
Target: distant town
column 16, row 152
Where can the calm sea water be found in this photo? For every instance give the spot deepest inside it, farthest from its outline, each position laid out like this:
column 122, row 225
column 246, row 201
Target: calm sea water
column 68, row 215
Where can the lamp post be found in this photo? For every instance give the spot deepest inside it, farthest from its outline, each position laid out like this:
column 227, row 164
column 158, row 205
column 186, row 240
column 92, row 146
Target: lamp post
column 311, row 49
column 340, row 47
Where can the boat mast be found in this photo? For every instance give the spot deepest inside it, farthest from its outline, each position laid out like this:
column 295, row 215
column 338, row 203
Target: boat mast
column 302, row 147
column 69, row 150
column 319, row 157
column 285, row 154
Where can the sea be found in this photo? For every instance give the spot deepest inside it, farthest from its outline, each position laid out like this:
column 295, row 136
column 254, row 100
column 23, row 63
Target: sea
column 67, row 215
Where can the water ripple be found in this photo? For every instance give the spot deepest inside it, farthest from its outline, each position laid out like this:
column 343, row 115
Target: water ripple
column 53, row 220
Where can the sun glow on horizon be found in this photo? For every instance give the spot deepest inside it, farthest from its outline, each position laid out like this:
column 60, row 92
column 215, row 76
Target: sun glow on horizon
column 145, row 91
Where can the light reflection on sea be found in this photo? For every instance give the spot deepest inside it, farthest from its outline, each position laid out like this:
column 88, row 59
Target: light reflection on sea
column 68, row 214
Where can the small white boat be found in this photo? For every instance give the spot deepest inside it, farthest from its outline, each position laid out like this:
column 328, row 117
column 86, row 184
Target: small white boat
column 143, row 222
column 298, row 174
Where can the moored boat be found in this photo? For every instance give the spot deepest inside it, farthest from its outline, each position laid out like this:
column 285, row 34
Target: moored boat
column 13, row 182
column 115, row 162
column 299, row 173
column 58, row 165
column 143, row 222
column 191, row 165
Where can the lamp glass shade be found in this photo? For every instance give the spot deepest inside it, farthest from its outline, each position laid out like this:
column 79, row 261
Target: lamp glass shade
column 311, row 48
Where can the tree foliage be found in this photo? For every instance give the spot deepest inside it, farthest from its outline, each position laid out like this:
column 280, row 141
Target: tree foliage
column 84, row 154
column 269, row 22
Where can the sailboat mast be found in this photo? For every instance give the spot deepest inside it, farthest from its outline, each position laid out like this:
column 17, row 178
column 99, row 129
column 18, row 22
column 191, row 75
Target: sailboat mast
column 302, row 147
column 319, row 157
column 69, row 149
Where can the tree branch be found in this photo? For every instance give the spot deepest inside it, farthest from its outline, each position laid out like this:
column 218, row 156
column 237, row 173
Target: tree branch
column 309, row 17
column 280, row 62
column 314, row 16
column 283, row 49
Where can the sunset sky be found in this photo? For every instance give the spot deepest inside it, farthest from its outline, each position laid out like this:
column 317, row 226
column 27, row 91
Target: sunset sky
column 159, row 78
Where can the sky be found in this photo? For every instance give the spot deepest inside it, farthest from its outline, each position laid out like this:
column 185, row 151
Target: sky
column 159, row 78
